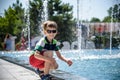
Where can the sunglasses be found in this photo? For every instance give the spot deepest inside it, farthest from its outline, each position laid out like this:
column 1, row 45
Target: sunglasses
column 51, row 31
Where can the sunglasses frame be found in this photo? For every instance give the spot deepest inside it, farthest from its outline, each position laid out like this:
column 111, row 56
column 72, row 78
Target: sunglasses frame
column 51, row 31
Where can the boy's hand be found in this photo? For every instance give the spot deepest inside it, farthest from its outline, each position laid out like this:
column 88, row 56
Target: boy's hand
column 69, row 62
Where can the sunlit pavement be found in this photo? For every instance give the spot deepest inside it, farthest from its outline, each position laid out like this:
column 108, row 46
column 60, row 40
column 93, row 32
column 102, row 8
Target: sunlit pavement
column 10, row 71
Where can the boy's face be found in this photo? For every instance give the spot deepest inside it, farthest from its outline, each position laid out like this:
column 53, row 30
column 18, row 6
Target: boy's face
column 50, row 33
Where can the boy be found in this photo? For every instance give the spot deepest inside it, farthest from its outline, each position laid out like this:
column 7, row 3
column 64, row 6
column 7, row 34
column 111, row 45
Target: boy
column 42, row 58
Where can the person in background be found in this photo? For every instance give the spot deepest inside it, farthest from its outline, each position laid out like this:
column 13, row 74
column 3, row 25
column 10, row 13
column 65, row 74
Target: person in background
column 42, row 58
column 8, row 42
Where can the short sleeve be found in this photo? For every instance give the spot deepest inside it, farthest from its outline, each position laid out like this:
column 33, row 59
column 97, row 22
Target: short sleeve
column 57, row 45
column 40, row 44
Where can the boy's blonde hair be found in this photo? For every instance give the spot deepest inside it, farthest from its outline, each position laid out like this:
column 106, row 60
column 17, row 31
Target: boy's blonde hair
column 51, row 24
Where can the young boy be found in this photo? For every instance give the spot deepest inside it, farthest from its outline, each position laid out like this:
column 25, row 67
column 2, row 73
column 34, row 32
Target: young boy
column 42, row 58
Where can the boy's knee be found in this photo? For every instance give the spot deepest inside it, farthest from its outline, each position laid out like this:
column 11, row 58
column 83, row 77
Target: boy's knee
column 56, row 67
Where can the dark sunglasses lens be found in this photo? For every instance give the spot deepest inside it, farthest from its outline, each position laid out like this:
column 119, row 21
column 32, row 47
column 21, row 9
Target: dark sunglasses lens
column 48, row 31
column 54, row 31
column 51, row 31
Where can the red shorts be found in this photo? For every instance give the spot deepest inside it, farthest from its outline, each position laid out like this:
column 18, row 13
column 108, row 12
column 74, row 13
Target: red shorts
column 36, row 62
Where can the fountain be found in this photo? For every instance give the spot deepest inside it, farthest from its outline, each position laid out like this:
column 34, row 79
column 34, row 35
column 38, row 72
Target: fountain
column 82, row 30
column 44, row 16
column 94, row 64
column 45, row 10
column 28, row 25
column 111, row 32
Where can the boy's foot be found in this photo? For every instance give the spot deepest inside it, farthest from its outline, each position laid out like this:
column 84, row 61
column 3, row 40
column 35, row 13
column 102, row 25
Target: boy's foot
column 42, row 76
column 39, row 72
column 45, row 77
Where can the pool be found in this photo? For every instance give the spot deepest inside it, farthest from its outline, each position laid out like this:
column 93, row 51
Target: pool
column 91, row 64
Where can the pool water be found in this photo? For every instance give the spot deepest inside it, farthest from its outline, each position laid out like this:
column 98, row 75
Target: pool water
column 91, row 64
column 103, row 69
column 94, row 65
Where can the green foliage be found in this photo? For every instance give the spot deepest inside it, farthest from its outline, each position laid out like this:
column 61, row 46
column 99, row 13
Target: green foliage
column 95, row 19
column 36, row 9
column 107, row 19
column 3, row 25
column 113, row 13
column 13, row 20
column 116, row 13
column 105, row 40
column 10, row 17
column 20, row 20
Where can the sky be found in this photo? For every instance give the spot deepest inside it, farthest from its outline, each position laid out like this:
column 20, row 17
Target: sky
column 87, row 8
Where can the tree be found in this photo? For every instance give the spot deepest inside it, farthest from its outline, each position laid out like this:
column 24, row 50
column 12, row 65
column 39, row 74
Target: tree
column 13, row 20
column 95, row 19
column 3, row 30
column 113, row 13
column 19, row 24
column 10, row 17
column 7, row 23
column 107, row 19
column 35, row 11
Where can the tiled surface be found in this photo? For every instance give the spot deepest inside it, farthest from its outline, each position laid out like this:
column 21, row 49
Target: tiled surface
column 10, row 71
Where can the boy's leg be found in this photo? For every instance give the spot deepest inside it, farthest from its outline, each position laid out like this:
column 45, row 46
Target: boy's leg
column 54, row 66
column 50, row 54
column 47, row 64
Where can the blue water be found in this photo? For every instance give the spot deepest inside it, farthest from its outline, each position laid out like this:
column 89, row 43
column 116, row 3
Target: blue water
column 91, row 64
column 103, row 69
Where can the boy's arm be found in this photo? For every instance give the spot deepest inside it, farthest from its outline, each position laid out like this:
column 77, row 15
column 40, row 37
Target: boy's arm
column 69, row 62
column 37, row 55
column 60, row 56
